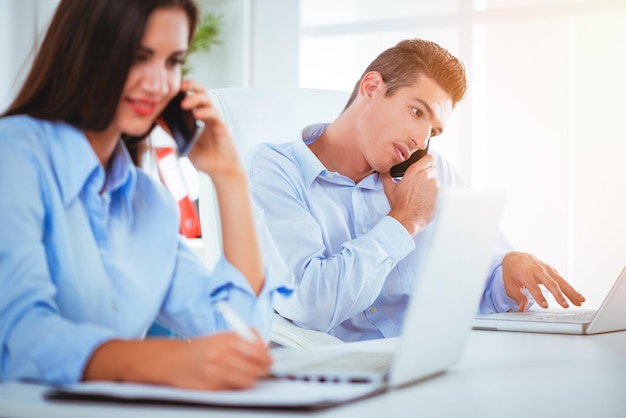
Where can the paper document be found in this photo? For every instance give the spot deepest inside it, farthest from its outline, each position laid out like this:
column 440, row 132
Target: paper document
column 281, row 394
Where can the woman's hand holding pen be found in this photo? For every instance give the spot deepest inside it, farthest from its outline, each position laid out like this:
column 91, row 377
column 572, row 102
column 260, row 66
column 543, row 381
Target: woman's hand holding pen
column 222, row 361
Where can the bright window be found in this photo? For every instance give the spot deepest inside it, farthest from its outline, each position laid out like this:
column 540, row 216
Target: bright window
column 543, row 119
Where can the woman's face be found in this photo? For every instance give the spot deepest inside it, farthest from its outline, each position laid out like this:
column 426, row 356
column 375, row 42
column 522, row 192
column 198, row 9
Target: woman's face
column 155, row 76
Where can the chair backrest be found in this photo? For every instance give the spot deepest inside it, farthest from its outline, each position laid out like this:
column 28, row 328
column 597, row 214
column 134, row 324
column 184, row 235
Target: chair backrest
column 255, row 115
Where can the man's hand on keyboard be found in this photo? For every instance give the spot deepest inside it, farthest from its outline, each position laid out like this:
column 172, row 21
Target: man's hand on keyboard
column 524, row 271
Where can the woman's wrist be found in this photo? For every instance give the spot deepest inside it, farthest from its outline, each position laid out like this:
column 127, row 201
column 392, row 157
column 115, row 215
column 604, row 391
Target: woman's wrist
column 139, row 361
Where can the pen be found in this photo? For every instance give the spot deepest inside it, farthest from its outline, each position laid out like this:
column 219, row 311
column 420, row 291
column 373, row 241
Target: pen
column 234, row 321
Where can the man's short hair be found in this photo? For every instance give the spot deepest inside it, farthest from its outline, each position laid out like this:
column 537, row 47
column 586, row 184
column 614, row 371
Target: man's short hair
column 402, row 64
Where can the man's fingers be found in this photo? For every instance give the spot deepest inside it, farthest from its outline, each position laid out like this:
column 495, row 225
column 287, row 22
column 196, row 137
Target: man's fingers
column 519, row 297
column 522, row 269
column 561, row 289
column 536, row 293
column 553, row 287
column 569, row 291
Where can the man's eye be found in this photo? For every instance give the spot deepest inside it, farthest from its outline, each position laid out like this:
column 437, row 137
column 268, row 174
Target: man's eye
column 416, row 111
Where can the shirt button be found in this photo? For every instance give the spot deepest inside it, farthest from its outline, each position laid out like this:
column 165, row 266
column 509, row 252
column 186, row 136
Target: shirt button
column 114, row 305
column 373, row 309
column 330, row 175
column 106, row 197
column 364, row 229
column 102, row 251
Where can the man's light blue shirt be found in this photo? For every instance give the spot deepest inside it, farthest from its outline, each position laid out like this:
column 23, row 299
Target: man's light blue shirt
column 88, row 256
column 353, row 265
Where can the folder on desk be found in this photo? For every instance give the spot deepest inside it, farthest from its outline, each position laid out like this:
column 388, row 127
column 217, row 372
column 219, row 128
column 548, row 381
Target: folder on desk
column 274, row 394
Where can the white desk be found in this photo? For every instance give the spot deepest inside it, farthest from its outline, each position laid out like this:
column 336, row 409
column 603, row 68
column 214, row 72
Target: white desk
column 501, row 375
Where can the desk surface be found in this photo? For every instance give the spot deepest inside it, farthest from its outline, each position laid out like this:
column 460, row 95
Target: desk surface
column 501, row 374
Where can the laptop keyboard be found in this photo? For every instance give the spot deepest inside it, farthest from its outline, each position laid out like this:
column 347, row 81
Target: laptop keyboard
column 352, row 367
column 573, row 317
column 370, row 361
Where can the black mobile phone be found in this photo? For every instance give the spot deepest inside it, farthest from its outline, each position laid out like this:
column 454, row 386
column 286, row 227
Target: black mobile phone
column 185, row 129
column 398, row 170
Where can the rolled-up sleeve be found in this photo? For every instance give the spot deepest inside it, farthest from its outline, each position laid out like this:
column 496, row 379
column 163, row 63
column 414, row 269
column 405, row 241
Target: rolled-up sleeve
column 37, row 342
column 189, row 306
column 495, row 298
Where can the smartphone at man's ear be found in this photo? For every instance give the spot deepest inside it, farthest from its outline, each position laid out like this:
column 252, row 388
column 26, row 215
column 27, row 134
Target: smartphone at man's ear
column 398, row 170
column 185, row 129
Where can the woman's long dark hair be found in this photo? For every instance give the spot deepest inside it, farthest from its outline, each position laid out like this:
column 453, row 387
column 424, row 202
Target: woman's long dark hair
column 82, row 64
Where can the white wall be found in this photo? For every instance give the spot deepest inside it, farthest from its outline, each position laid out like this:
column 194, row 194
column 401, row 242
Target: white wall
column 555, row 141
column 22, row 23
column 7, row 72
column 259, row 45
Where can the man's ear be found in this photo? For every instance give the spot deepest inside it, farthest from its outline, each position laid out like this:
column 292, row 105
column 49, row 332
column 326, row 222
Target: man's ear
column 371, row 82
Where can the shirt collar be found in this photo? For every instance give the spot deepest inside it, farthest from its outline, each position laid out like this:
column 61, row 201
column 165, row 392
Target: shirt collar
column 73, row 160
column 312, row 167
column 75, row 164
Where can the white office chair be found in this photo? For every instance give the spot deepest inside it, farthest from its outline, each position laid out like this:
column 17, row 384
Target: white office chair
column 255, row 115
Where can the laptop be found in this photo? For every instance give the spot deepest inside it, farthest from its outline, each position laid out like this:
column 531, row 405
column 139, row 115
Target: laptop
column 609, row 317
column 438, row 320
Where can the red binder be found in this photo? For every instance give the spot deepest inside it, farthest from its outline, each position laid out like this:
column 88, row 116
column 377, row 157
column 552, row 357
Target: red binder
column 172, row 177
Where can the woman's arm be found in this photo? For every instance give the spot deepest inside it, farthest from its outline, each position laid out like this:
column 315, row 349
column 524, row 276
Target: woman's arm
column 222, row 361
column 216, row 155
column 240, row 241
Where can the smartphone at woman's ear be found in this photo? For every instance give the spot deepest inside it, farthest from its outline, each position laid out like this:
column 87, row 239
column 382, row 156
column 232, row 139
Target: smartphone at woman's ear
column 184, row 128
column 398, row 170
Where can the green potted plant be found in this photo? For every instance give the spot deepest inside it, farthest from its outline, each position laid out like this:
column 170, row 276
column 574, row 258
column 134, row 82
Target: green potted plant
column 205, row 37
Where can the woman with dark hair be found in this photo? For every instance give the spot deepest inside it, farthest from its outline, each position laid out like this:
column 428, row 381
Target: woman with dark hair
column 90, row 253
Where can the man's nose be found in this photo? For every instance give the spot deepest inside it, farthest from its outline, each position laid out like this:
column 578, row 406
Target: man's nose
column 420, row 141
